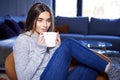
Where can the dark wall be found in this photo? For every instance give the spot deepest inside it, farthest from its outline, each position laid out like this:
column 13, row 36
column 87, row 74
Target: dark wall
column 19, row 7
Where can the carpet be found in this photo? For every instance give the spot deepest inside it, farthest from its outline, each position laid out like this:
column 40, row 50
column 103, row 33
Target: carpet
column 114, row 70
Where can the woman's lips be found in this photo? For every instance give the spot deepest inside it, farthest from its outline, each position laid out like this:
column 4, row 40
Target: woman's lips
column 44, row 30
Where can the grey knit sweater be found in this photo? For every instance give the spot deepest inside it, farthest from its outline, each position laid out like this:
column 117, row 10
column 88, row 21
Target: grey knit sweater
column 30, row 57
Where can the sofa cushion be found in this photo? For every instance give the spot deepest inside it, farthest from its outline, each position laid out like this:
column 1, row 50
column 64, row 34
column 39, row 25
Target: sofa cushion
column 6, row 31
column 1, row 20
column 21, row 24
column 76, row 24
column 13, row 25
column 74, row 36
column 104, row 26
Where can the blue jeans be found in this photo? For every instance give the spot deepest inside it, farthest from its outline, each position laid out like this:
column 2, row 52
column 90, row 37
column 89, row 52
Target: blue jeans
column 57, row 68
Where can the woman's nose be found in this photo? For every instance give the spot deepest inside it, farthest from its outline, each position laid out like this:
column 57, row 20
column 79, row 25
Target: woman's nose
column 45, row 23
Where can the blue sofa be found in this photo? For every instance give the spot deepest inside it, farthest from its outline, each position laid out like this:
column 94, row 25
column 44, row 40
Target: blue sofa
column 80, row 28
column 10, row 28
column 83, row 28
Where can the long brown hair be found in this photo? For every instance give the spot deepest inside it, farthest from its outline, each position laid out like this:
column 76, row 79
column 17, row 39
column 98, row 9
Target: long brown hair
column 33, row 14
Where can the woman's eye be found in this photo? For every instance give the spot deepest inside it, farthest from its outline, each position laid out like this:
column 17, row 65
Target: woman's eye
column 48, row 20
column 39, row 20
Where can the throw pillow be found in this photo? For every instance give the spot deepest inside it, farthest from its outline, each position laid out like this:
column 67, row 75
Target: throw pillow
column 104, row 26
column 6, row 31
column 61, row 29
column 21, row 24
column 13, row 25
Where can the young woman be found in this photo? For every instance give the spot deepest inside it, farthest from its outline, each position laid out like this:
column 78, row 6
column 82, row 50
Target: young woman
column 35, row 61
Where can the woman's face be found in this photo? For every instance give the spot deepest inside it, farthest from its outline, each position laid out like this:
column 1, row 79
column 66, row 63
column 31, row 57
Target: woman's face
column 43, row 22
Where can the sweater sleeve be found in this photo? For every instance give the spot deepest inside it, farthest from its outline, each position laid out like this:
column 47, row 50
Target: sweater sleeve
column 26, row 62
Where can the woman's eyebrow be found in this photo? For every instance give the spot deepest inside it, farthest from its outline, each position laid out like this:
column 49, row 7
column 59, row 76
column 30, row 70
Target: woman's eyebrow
column 40, row 18
column 49, row 19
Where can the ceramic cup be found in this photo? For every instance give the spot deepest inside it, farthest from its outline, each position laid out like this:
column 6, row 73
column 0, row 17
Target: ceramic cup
column 50, row 38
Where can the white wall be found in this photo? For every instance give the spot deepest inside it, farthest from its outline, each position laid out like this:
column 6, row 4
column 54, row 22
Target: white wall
column 19, row 7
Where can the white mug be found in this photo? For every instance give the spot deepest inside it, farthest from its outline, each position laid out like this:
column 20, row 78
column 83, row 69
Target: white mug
column 50, row 38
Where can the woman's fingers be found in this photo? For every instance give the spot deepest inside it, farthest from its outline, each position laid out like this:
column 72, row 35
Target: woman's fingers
column 58, row 38
column 41, row 39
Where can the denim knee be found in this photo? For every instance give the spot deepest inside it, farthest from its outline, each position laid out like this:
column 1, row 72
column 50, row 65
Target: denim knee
column 82, row 72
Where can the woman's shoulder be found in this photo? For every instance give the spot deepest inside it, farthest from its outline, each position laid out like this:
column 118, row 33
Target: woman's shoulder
column 23, row 36
column 21, row 40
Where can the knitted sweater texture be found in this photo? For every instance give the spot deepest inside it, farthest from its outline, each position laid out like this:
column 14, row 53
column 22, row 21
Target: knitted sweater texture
column 30, row 57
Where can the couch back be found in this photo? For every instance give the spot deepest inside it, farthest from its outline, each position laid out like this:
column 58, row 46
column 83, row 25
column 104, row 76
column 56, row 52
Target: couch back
column 99, row 26
column 77, row 25
column 94, row 26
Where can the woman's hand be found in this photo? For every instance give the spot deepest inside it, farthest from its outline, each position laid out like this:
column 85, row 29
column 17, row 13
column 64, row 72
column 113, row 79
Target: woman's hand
column 41, row 39
column 58, row 41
